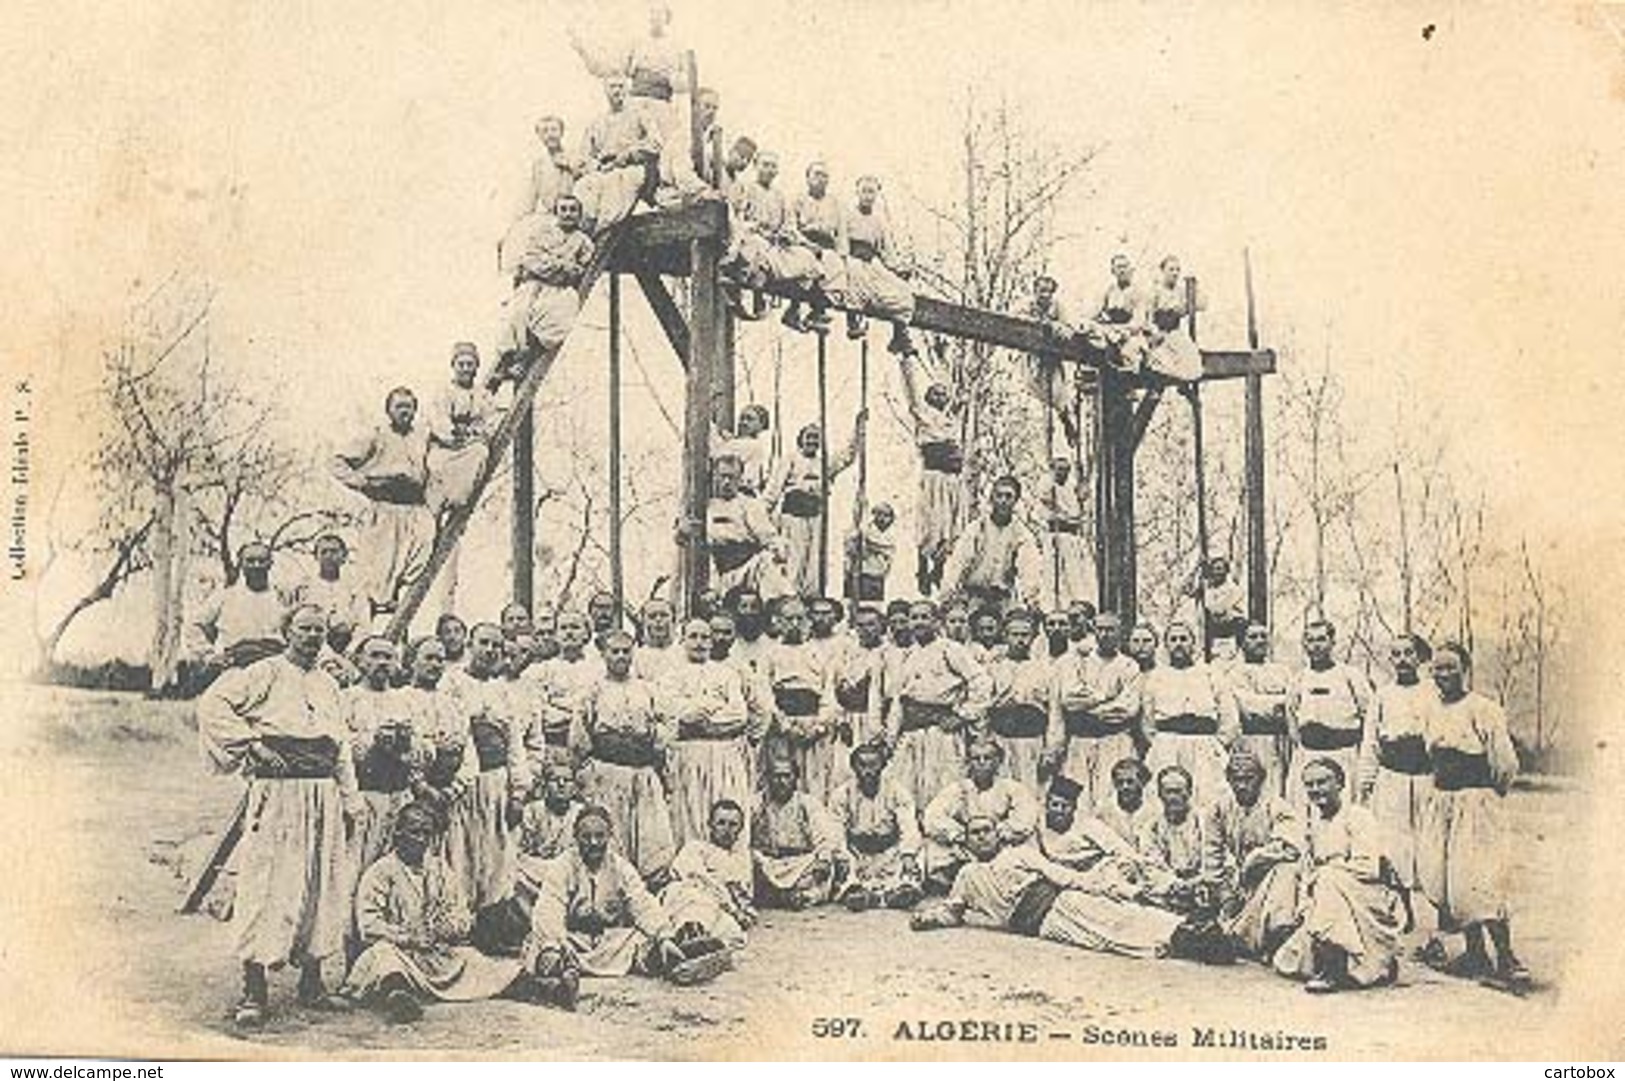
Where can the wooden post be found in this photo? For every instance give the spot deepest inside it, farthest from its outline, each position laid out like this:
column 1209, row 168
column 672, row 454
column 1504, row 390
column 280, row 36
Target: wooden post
column 823, row 463
column 727, row 376
column 524, row 505
column 1077, row 446
column 1200, row 462
column 617, row 573
column 705, row 345
column 1105, row 575
column 1128, row 555
column 1258, row 590
column 723, row 377
column 853, row 569
column 1049, row 460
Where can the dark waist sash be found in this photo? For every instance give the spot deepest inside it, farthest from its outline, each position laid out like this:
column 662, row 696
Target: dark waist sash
column 399, row 491
column 863, row 250
column 871, row 587
column 731, row 555
column 490, row 743
column 1083, row 724
column 873, row 844
column 1032, row 907
column 918, row 715
column 1320, row 737
column 819, row 237
column 1018, row 720
column 647, row 83
column 303, row 758
column 443, row 767
column 799, row 503
column 1167, row 319
column 1067, row 526
column 631, row 749
column 1455, row 770
column 1188, row 724
column 245, row 651
column 943, row 457
column 1262, row 724
column 992, row 594
column 386, row 765
column 779, row 852
column 1406, row 754
column 796, row 701
column 854, row 697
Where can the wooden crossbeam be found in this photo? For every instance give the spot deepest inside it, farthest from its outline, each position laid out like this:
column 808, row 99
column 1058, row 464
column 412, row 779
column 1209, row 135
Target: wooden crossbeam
column 657, row 243
column 524, row 398
column 666, row 311
column 677, row 226
column 1030, row 336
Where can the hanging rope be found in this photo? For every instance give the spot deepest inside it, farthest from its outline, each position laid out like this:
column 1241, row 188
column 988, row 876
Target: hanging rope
column 1077, row 452
column 823, row 465
column 778, row 402
column 1201, row 483
column 860, row 506
column 1049, row 459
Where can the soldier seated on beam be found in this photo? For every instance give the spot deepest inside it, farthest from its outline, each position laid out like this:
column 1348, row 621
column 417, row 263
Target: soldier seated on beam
column 622, row 149
column 766, row 247
column 680, row 181
column 554, row 171
column 819, row 221
column 652, row 65
column 1117, row 327
column 877, row 272
column 1171, row 349
column 547, row 255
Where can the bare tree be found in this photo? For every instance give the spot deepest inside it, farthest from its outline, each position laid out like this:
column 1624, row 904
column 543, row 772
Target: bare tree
column 181, row 433
column 988, row 245
column 119, row 541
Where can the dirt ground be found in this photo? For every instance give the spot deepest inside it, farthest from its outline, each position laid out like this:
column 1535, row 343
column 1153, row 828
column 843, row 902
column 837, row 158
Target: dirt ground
column 121, row 780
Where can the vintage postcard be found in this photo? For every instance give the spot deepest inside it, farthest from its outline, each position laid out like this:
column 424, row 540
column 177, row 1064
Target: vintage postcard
column 902, row 530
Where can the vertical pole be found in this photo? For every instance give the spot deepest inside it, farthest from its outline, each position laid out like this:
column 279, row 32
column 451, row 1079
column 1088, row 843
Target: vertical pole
column 1121, row 434
column 1105, row 576
column 704, row 346
column 1049, row 458
column 1078, row 458
column 1201, row 481
column 617, row 573
column 1258, row 592
column 724, row 375
column 854, row 567
column 823, row 465
column 778, row 402
column 524, row 505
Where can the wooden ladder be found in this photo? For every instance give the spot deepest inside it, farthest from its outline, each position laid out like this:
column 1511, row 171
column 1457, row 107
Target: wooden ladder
column 524, row 399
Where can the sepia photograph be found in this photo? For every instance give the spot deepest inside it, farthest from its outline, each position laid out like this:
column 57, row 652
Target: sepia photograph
column 925, row 529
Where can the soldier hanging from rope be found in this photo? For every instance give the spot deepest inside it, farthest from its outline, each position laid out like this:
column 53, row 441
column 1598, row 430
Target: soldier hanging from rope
column 801, row 497
column 936, row 415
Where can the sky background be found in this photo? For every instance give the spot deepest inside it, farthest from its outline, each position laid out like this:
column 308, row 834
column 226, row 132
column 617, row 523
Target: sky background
column 1443, row 210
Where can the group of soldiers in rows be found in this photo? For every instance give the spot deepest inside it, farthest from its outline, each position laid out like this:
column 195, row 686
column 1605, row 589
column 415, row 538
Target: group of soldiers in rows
column 508, row 807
